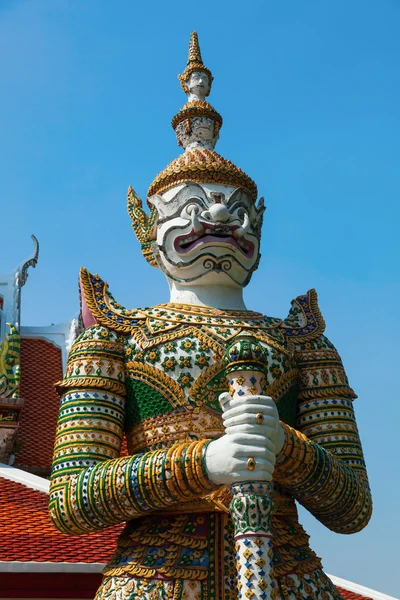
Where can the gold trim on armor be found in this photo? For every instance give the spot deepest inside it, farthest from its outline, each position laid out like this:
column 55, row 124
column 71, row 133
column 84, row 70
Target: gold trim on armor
column 177, row 426
column 204, row 379
column 158, row 380
column 145, row 343
column 90, row 382
column 292, row 332
column 89, row 294
column 299, row 337
column 281, row 385
column 332, row 392
column 90, row 346
column 208, row 311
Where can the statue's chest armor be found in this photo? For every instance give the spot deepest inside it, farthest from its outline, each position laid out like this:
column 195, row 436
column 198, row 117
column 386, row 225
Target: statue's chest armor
column 179, row 369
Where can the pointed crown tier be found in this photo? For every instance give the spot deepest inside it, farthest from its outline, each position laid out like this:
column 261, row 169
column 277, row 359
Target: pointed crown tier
column 194, row 63
column 201, row 165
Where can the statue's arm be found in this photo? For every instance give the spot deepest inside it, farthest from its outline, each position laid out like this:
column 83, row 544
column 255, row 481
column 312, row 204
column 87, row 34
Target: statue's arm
column 321, row 462
column 92, row 487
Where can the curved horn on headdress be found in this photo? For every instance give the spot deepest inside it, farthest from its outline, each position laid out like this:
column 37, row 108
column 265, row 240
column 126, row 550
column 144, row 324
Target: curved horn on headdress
column 142, row 224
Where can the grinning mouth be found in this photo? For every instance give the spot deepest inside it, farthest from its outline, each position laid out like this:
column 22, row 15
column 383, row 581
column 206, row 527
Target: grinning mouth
column 215, row 235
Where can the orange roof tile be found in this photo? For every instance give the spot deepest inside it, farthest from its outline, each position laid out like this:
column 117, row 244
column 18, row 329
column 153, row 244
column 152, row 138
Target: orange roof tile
column 41, row 367
column 351, row 595
column 39, row 414
column 27, row 534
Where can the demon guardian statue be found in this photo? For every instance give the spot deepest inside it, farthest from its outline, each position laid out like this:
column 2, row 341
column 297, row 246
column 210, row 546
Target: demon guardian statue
column 209, row 444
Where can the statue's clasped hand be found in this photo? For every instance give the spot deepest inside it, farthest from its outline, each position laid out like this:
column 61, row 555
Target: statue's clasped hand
column 253, row 437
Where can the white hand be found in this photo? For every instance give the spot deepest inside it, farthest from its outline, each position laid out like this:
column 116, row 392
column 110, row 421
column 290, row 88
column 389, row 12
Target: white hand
column 241, row 412
column 226, row 458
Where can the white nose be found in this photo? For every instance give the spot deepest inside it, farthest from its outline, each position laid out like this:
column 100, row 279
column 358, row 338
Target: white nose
column 219, row 213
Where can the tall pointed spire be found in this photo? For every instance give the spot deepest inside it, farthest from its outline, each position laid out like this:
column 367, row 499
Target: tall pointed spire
column 197, row 127
column 194, row 64
column 194, row 49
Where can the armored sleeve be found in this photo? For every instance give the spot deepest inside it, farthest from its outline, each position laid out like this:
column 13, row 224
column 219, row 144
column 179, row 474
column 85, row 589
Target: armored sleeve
column 321, row 462
column 91, row 485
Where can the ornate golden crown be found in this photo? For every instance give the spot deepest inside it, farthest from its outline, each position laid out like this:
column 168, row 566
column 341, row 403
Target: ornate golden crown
column 202, row 166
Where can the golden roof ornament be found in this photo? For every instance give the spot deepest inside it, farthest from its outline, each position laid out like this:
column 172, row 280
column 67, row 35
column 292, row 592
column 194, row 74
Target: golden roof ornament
column 194, row 65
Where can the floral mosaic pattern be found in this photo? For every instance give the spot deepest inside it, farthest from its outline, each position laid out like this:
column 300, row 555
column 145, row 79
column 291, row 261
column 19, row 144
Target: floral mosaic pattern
column 159, row 383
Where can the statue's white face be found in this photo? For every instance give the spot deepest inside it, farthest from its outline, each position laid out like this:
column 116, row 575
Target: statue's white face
column 198, row 84
column 205, row 231
column 202, row 128
column 201, row 131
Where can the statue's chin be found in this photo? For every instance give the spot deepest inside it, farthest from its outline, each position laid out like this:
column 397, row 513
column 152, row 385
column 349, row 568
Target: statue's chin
column 210, row 278
column 206, row 270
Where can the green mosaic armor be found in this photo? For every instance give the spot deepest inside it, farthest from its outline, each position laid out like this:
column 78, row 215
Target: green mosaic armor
column 154, row 375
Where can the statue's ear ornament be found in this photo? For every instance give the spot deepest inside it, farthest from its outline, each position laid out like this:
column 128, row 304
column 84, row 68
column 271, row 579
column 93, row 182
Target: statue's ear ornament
column 143, row 225
column 260, row 208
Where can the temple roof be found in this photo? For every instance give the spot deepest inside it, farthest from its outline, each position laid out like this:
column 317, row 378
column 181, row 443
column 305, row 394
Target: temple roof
column 38, row 420
column 28, row 535
column 39, row 416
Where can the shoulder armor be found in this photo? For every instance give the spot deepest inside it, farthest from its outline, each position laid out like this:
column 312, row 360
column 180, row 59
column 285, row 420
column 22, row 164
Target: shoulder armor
column 305, row 321
column 102, row 307
column 95, row 361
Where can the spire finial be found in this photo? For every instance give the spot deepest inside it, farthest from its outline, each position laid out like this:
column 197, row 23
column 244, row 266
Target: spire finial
column 194, row 50
column 195, row 65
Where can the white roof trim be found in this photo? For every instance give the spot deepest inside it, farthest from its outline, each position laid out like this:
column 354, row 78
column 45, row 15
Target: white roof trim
column 360, row 589
column 49, row 567
column 28, row 479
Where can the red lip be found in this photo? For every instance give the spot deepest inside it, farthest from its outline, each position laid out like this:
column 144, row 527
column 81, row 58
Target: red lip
column 190, row 241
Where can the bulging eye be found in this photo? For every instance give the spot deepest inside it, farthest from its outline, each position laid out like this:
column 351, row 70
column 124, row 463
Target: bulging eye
column 238, row 212
column 193, row 209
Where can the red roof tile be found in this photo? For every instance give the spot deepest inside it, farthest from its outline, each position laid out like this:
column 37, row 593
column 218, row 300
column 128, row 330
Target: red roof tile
column 351, row 595
column 39, row 414
column 41, row 367
column 27, row 534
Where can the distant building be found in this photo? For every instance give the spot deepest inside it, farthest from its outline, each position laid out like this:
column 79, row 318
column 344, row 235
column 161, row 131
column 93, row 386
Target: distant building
column 28, row 403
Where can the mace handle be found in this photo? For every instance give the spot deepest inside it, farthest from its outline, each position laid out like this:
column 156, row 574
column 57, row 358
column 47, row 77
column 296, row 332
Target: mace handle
column 251, row 506
column 251, row 511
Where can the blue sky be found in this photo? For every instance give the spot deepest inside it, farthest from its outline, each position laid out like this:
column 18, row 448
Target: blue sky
column 310, row 95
